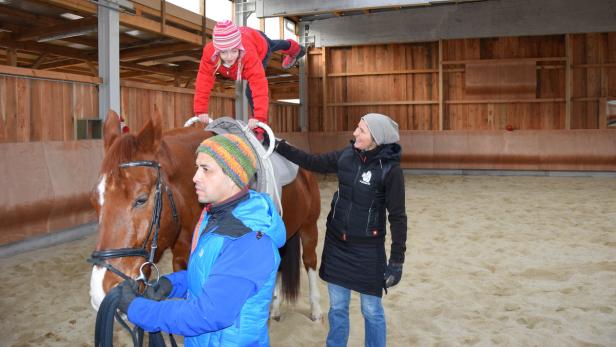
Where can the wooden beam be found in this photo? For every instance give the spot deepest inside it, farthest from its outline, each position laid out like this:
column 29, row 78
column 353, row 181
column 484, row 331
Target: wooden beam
column 498, row 61
column 11, row 57
column 139, row 21
column 375, row 73
column 324, row 87
column 383, row 103
column 163, row 16
column 441, row 90
column 66, row 27
column 203, row 26
column 78, row 54
column 52, row 75
column 39, row 60
column 512, row 101
column 602, row 121
column 281, row 27
column 61, row 63
column 600, row 65
column 154, row 50
column 190, row 53
column 568, row 85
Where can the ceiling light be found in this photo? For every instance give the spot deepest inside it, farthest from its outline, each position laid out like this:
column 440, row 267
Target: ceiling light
column 133, row 33
column 70, row 16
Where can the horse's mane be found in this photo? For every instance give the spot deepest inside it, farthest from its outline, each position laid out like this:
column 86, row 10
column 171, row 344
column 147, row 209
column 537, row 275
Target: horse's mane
column 122, row 150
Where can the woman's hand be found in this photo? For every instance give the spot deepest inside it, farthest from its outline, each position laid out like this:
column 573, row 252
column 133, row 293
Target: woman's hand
column 252, row 123
column 204, row 118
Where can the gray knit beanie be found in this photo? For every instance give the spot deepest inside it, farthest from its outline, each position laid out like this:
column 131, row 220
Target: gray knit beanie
column 382, row 128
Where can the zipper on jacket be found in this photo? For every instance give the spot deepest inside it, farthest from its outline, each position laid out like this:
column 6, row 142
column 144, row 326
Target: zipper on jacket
column 336, row 203
column 368, row 220
column 346, row 221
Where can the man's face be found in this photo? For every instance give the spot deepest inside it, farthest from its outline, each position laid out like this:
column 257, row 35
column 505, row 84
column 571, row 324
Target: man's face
column 229, row 56
column 211, row 183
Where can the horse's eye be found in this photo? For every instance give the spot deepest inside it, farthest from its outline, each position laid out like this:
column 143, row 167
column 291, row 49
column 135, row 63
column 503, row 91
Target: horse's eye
column 140, row 201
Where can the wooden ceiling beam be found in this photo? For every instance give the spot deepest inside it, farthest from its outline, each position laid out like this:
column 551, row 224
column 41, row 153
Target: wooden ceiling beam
column 189, row 53
column 78, row 54
column 140, row 22
column 66, row 27
column 136, row 53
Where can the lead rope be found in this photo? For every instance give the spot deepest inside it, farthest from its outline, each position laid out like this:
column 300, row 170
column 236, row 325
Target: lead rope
column 108, row 312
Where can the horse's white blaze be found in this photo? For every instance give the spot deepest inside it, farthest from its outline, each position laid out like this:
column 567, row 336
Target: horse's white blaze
column 315, row 295
column 100, row 188
column 97, row 294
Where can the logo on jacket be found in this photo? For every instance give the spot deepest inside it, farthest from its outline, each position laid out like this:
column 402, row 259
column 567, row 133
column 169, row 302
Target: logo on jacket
column 365, row 177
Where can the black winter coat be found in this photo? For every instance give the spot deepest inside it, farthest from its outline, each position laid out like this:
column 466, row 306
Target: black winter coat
column 370, row 183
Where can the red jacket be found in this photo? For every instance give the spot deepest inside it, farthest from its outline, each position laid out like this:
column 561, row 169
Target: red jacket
column 252, row 70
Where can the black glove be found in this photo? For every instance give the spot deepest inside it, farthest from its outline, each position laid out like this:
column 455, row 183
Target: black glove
column 277, row 143
column 160, row 290
column 129, row 290
column 393, row 274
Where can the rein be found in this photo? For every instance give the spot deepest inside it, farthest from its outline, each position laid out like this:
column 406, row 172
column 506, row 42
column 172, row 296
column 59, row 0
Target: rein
column 108, row 310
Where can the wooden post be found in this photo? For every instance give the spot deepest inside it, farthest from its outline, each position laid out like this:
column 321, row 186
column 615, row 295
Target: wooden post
column 569, row 62
column 262, row 24
column 602, row 122
column 41, row 58
column 11, row 57
column 441, row 97
column 203, row 26
column 163, row 15
column 324, row 63
column 281, row 27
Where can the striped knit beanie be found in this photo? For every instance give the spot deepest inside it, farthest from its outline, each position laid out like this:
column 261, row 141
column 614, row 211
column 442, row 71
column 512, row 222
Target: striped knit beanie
column 226, row 35
column 234, row 156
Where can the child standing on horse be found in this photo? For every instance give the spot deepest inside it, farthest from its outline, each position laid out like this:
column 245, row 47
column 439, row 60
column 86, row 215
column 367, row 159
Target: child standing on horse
column 241, row 53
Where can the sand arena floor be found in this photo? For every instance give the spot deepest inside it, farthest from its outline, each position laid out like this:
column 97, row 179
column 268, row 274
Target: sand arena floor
column 491, row 261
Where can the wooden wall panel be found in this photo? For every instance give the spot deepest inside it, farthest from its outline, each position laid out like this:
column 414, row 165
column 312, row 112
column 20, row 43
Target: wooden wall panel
column 364, row 79
column 43, row 110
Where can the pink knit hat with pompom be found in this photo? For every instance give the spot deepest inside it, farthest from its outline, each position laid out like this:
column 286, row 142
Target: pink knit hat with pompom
column 226, row 35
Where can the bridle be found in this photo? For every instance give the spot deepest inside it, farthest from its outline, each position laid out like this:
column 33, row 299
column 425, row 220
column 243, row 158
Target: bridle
column 100, row 257
column 103, row 335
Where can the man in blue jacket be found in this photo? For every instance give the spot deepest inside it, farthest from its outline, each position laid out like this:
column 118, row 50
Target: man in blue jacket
column 226, row 291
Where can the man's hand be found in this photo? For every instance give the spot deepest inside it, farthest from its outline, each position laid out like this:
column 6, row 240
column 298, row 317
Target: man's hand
column 252, row 123
column 128, row 289
column 160, row 290
column 204, row 118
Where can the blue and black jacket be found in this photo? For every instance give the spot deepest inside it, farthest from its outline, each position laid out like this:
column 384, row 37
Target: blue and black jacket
column 228, row 285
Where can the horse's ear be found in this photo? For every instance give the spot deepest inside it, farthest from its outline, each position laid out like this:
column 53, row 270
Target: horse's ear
column 151, row 133
column 111, row 129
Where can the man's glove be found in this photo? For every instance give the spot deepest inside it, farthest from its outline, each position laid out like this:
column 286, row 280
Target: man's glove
column 393, row 274
column 160, row 290
column 129, row 290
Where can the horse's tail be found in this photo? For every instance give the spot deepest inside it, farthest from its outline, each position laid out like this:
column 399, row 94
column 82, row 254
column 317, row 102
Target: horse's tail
column 289, row 268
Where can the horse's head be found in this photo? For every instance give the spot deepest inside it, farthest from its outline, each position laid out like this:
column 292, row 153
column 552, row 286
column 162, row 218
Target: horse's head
column 130, row 199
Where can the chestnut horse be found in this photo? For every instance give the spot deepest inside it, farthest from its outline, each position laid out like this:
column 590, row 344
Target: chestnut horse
column 156, row 188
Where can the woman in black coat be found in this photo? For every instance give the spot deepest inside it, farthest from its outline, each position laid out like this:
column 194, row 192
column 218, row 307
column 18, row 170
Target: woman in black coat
column 370, row 186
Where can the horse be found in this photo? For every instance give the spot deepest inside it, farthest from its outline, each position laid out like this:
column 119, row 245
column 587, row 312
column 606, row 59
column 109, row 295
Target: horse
column 146, row 203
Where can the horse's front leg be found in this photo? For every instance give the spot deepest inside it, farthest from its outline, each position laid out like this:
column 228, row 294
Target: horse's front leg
column 276, row 300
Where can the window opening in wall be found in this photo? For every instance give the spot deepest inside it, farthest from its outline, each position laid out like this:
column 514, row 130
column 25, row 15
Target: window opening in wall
column 88, row 128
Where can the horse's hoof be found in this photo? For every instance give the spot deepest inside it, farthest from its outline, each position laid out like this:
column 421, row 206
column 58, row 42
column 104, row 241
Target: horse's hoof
column 316, row 317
